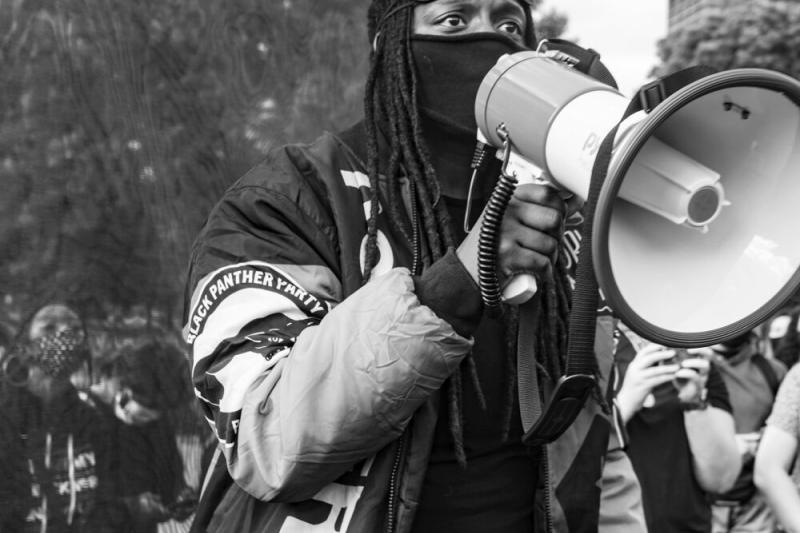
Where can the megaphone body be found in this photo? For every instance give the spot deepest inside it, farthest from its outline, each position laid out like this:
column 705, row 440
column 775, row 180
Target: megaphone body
column 694, row 231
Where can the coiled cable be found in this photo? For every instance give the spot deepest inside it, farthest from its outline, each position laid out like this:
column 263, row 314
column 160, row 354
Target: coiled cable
column 478, row 164
column 488, row 239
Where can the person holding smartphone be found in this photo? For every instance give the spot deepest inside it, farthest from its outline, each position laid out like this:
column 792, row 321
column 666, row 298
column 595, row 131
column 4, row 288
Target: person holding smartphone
column 682, row 442
column 776, row 472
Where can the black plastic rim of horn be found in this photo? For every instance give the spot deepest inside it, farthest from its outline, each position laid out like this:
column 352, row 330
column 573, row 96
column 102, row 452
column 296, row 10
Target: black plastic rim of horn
column 751, row 77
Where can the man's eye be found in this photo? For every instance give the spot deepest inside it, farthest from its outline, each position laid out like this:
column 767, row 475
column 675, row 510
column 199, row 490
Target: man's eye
column 452, row 21
column 510, row 27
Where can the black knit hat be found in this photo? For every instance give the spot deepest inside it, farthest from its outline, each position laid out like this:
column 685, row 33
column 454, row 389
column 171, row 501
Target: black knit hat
column 381, row 10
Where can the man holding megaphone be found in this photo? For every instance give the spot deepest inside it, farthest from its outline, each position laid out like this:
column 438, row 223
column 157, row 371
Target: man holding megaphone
column 356, row 374
column 341, row 349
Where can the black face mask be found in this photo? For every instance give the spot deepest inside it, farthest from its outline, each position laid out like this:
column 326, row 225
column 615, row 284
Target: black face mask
column 449, row 72
column 734, row 345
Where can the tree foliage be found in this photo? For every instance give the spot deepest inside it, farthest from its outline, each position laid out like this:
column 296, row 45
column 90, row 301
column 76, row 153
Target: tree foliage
column 123, row 122
column 755, row 34
column 550, row 23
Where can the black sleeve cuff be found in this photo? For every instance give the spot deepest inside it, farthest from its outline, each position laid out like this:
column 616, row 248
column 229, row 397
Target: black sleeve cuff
column 449, row 290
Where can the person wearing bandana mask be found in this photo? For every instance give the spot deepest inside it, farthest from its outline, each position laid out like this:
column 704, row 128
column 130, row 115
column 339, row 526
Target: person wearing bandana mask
column 53, row 454
column 341, row 351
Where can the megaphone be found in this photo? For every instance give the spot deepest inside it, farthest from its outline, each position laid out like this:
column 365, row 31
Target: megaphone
column 694, row 239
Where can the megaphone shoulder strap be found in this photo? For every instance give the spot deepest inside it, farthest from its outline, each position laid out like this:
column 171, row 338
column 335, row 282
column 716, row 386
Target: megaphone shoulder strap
column 653, row 93
column 585, row 60
column 580, row 357
column 546, row 425
column 530, row 403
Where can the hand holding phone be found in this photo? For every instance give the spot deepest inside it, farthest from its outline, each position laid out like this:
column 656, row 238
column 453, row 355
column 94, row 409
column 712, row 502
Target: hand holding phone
column 653, row 366
column 690, row 379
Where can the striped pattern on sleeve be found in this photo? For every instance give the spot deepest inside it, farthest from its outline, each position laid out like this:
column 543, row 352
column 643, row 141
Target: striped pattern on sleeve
column 243, row 319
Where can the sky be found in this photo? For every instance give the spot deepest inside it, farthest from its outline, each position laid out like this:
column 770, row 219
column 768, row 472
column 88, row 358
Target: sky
column 623, row 32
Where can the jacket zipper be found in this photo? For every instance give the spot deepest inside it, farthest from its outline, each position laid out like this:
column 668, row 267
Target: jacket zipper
column 393, row 478
column 548, row 503
column 414, row 229
column 398, row 456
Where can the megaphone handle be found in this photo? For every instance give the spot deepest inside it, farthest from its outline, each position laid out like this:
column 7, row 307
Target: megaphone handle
column 520, row 289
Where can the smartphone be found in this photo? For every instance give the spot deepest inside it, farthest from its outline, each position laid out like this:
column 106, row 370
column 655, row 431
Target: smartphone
column 680, row 356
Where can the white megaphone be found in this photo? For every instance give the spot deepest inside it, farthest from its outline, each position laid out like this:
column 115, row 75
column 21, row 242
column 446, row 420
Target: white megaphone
column 695, row 229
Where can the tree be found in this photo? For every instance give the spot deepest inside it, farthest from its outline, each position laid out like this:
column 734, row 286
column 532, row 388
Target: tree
column 550, row 23
column 755, row 34
column 123, row 122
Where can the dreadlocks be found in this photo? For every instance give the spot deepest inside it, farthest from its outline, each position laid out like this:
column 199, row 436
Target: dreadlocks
column 391, row 98
column 391, row 109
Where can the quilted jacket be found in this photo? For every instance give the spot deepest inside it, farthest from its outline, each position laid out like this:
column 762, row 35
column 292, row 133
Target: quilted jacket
column 323, row 391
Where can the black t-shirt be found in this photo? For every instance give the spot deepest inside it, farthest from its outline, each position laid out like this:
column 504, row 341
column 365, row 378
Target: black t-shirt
column 495, row 493
column 145, row 459
column 61, row 450
column 659, row 450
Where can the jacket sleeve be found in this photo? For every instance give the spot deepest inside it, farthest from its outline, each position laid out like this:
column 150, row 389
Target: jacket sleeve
column 298, row 382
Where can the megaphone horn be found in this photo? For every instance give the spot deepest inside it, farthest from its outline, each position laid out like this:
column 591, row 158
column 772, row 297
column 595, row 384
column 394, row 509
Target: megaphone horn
column 694, row 230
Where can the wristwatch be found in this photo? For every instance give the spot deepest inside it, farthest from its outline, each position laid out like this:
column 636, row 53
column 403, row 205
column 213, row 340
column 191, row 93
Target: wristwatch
column 698, row 404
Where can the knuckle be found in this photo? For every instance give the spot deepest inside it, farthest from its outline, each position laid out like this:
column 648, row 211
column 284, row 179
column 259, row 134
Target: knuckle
column 545, row 219
column 549, row 246
column 505, row 247
column 538, row 262
column 554, row 219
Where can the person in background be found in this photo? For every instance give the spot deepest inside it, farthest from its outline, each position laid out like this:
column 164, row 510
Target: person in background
column 681, row 437
column 785, row 338
column 752, row 382
column 196, row 444
column 776, row 473
column 136, row 390
column 11, row 515
column 621, row 509
column 54, row 454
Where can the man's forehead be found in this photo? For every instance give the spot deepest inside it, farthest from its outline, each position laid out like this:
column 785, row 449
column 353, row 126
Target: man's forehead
column 55, row 315
column 382, row 10
column 528, row 3
column 494, row 5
